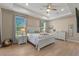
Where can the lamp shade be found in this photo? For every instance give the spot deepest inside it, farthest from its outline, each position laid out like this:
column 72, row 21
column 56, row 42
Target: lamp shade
column 23, row 30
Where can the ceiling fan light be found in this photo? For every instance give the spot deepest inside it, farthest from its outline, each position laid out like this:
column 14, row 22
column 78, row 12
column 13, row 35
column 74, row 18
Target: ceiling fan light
column 62, row 9
column 48, row 10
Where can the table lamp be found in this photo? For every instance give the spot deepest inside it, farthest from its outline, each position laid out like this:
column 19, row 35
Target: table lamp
column 23, row 30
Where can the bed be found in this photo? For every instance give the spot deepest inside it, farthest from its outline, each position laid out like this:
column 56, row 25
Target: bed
column 40, row 40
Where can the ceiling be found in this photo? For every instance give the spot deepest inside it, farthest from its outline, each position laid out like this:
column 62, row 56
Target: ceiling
column 39, row 9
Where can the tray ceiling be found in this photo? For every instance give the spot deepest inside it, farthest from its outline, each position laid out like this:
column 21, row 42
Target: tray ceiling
column 39, row 9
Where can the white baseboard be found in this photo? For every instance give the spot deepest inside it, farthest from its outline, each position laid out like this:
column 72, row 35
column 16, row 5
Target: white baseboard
column 76, row 41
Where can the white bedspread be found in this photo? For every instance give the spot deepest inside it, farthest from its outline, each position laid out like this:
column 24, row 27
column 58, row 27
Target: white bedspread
column 35, row 37
column 40, row 40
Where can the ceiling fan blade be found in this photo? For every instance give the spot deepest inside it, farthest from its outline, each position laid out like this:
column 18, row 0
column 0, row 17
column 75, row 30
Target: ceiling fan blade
column 53, row 9
column 42, row 8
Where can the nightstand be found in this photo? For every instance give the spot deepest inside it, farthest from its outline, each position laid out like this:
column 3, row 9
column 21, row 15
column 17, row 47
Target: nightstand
column 22, row 39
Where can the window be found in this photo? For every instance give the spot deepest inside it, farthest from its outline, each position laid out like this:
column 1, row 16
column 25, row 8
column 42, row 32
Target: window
column 20, row 26
column 43, row 26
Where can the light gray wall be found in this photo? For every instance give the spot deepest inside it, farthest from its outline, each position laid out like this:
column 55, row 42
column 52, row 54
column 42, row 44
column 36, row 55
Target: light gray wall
column 8, row 23
column 61, row 24
column 0, row 25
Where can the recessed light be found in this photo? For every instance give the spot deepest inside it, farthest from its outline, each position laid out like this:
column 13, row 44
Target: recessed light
column 62, row 9
column 27, row 4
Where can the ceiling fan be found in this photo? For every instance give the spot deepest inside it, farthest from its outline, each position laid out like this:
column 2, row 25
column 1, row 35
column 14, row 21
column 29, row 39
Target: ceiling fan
column 50, row 7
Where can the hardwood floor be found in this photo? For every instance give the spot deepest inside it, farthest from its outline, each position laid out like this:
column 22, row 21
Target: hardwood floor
column 60, row 48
